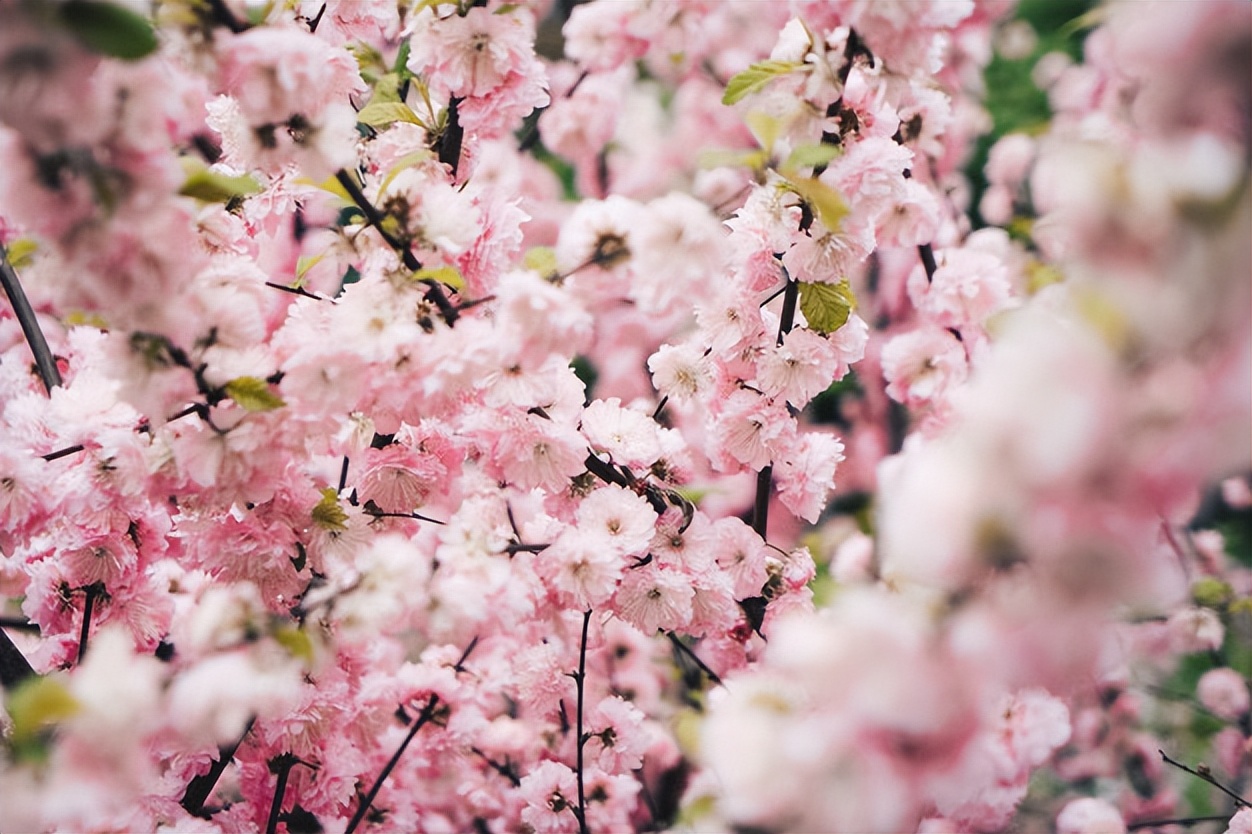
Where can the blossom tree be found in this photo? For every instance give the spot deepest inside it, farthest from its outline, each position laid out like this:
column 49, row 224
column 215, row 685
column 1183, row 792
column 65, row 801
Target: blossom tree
column 632, row 415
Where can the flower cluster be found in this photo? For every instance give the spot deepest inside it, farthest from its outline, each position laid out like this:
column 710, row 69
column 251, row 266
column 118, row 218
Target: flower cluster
column 484, row 416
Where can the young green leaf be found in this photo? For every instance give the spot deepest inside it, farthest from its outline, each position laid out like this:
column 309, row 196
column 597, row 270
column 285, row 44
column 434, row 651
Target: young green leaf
column 386, row 89
column 383, row 113
column 253, row 394
column 303, row 264
column 214, row 187
column 441, row 274
column 755, row 78
column 826, row 307
column 827, row 203
column 403, row 163
column 21, row 251
column 109, row 29
column 541, row 259
column 811, row 156
column 36, row 703
column 296, row 641
column 328, row 514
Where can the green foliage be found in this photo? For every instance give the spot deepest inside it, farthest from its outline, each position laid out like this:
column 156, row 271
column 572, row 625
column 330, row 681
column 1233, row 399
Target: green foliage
column 812, row 156
column 215, row 187
column 826, row 307
column 441, row 274
column 35, row 705
column 1016, row 105
column 108, row 28
column 327, row 514
column 827, row 204
column 383, row 113
column 755, row 78
column 253, row 394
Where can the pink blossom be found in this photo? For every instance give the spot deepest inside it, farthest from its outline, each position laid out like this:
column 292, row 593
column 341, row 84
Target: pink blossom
column 806, row 473
column 1241, row 822
column 621, row 519
column 1224, row 692
column 652, row 598
column 534, row 452
column 581, row 568
column 551, row 795
column 922, row 365
column 628, row 437
column 680, row 372
column 968, row 287
column 1090, row 816
column 741, row 554
column 602, row 37
column 750, row 428
column 471, row 54
column 1195, row 630
column 798, row 369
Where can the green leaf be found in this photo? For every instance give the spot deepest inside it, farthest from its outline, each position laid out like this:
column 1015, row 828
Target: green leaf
column 328, row 514
column 401, row 66
column 811, row 156
column 826, row 307
column 21, row 251
column 36, row 703
column 403, row 163
column 827, row 203
column 733, row 159
column 755, row 78
column 383, row 113
column 541, row 259
column 765, row 128
column 441, row 274
column 296, row 641
column 109, row 29
column 253, row 394
column 303, row 264
column 386, row 89
column 213, row 187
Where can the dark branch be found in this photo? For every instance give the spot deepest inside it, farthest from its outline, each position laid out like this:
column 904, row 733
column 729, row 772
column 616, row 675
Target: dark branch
column 199, row 788
column 422, row 720
column 60, row 453
column 686, row 650
column 578, row 721
column 14, row 667
column 1203, row 773
column 45, row 362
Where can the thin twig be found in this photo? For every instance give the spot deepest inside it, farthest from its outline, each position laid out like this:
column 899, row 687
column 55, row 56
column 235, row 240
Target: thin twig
column 434, row 292
column 582, row 740
column 199, row 788
column 60, row 453
column 1207, row 777
column 300, row 291
column 93, row 591
column 282, row 766
column 687, row 650
column 374, row 513
column 765, row 478
column 526, row 548
column 45, row 362
column 1135, row 826
column 422, row 720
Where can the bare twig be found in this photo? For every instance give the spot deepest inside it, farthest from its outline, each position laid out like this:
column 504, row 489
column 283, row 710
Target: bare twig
column 45, row 362
column 1203, row 773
